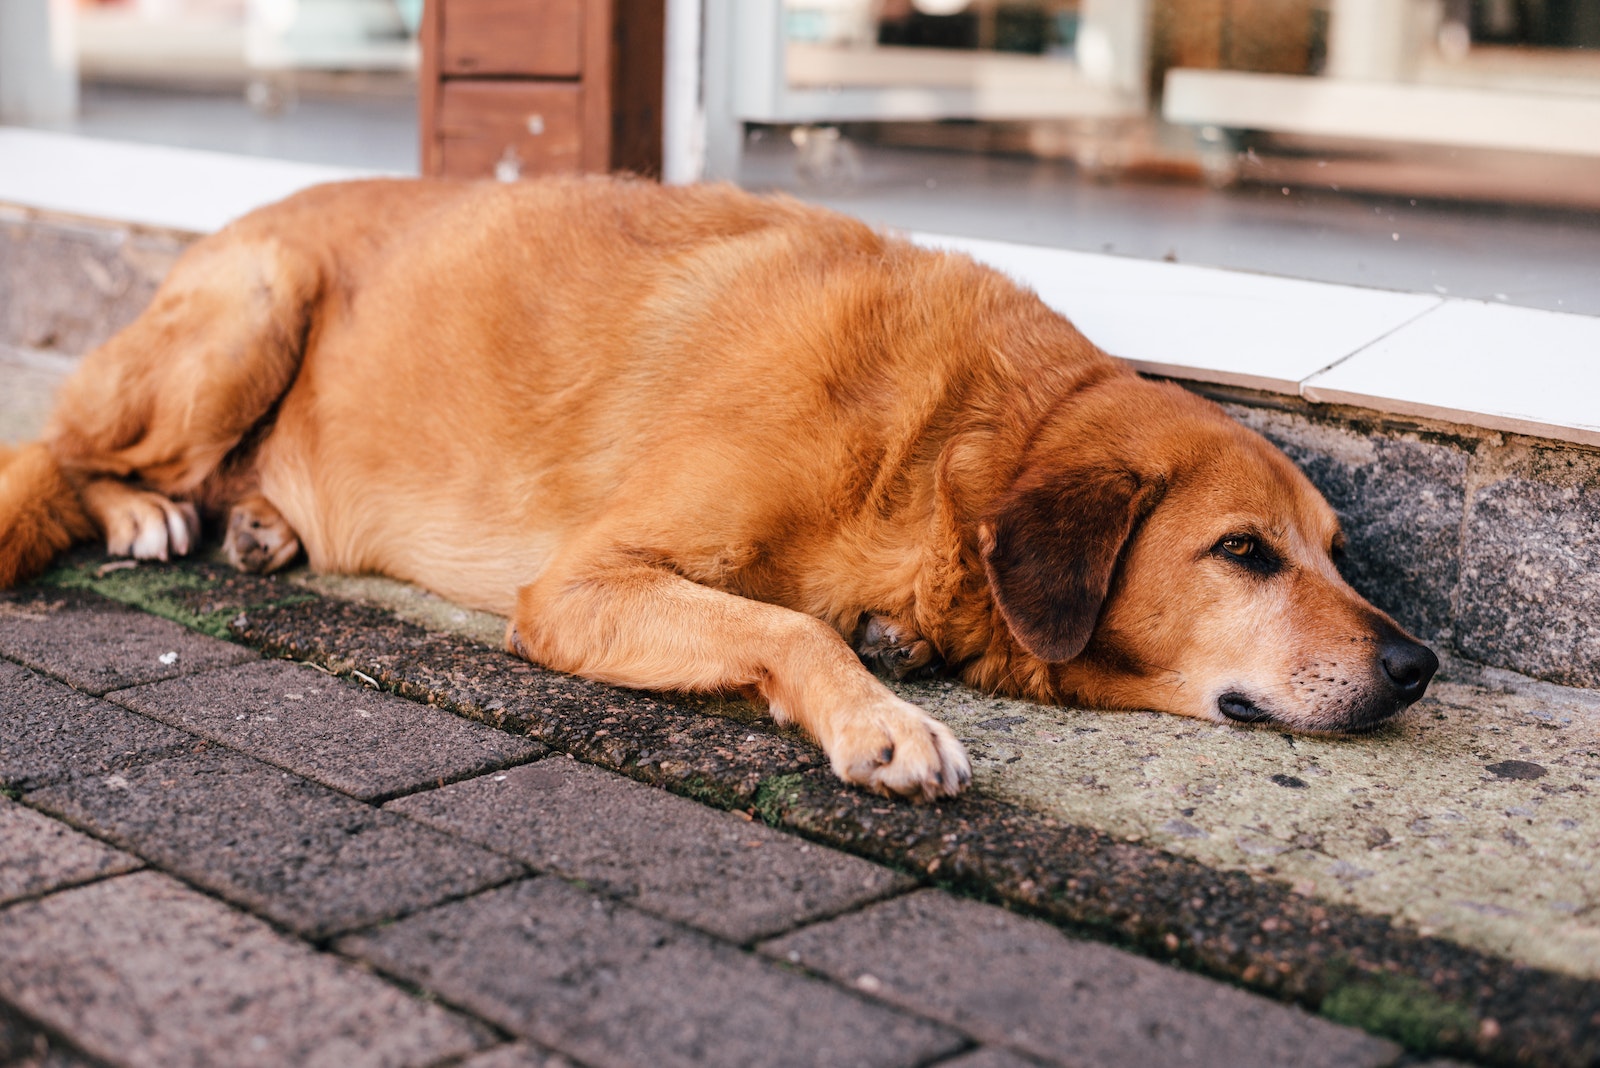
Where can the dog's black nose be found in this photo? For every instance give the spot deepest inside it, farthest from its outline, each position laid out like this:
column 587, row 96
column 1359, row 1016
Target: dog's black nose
column 1409, row 665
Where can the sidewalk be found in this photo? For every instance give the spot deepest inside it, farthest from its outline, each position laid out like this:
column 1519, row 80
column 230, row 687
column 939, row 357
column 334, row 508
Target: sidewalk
column 216, row 859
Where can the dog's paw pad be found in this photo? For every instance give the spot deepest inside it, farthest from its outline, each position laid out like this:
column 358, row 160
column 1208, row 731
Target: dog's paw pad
column 259, row 539
column 892, row 650
column 900, row 751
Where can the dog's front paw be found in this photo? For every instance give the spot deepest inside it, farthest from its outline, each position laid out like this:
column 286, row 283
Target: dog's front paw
column 898, row 750
column 148, row 526
column 892, row 650
column 259, row 539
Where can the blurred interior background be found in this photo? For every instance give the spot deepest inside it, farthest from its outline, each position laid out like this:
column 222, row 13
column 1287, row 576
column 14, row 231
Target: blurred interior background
column 1451, row 145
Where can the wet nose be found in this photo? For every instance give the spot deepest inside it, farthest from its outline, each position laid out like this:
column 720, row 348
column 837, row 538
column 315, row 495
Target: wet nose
column 1409, row 666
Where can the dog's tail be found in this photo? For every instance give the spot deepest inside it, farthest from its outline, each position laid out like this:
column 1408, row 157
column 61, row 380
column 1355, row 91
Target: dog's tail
column 41, row 515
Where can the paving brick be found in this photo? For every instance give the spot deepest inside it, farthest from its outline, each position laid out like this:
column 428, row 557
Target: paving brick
column 42, row 854
column 310, row 858
column 22, row 1045
column 49, row 731
column 144, row 972
column 1020, row 983
column 609, row 985
column 521, row 1055
column 668, row 855
column 99, row 645
column 989, row 1057
column 342, row 734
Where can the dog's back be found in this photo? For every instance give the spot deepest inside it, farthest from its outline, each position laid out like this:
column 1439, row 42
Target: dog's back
column 692, row 370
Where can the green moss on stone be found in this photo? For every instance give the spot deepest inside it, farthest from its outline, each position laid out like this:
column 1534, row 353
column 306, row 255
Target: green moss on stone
column 1401, row 1008
column 707, row 791
column 774, row 795
column 168, row 592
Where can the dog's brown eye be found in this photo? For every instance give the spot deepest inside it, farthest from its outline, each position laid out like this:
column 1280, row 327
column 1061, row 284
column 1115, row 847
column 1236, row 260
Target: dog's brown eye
column 1238, row 545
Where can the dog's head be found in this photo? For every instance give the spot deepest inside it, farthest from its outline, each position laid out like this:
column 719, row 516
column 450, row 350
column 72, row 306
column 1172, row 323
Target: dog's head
column 1171, row 559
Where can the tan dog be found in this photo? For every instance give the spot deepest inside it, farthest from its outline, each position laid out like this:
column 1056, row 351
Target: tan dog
column 690, row 439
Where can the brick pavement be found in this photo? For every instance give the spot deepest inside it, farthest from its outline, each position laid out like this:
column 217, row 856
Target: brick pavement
column 311, row 885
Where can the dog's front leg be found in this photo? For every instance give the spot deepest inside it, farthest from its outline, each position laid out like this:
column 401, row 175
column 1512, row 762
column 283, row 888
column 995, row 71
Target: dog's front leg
column 642, row 626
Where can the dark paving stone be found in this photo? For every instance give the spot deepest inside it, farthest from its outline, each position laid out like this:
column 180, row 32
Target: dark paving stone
column 668, row 855
column 49, row 732
column 344, row 735
column 310, row 858
column 989, row 1057
column 98, row 645
column 521, row 1055
column 611, row 986
column 1399, row 498
column 1010, row 980
column 1531, row 572
column 23, row 1045
column 663, row 740
column 42, row 854
column 145, row 972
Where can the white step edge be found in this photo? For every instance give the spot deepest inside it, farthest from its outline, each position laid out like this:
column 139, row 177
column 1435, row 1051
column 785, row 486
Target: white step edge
column 147, row 185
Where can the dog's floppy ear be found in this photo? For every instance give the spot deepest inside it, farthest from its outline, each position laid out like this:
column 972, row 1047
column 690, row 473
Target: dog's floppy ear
column 1050, row 551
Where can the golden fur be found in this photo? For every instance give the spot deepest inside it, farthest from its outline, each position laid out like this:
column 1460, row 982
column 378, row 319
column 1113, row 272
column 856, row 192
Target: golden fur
column 693, row 439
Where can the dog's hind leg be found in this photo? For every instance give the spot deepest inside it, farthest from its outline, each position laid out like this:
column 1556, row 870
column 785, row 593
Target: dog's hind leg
column 258, row 538
column 634, row 624
column 151, row 419
column 893, row 650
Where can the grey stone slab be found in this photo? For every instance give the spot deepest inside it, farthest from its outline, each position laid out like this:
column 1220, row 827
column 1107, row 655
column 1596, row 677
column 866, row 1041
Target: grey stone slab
column 42, row 854
column 50, row 732
column 98, row 645
column 1020, row 983
column 355, row 739
column 1400, row 501
column 145, row 972
column 68, row 285
column 1530, row 590
column 611, row 986
column 31, row 379
column 310, row 858
column 669, row 855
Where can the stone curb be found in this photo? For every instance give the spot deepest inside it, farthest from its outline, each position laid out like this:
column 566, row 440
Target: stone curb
column 1431, row 995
